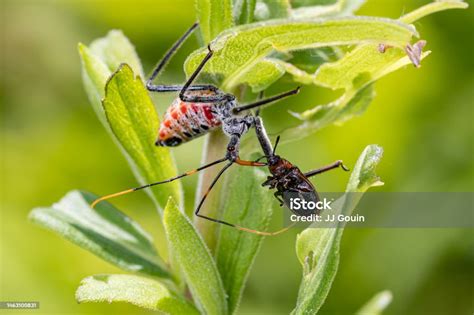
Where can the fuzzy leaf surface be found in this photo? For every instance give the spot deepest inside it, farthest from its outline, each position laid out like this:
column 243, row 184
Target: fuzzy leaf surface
column 140, row 291
column 104, row 231
column 196, row 263
column 134, row 122
column 318, row 248
column 249, row 205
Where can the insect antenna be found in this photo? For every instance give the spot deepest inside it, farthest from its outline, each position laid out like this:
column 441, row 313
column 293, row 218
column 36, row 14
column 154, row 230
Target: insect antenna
column 327, row 168
column 121, row 193
column 276, row 144
column 239, row 109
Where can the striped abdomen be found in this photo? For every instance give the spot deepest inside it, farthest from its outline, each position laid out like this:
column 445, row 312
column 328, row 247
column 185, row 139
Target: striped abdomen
column 185, row 121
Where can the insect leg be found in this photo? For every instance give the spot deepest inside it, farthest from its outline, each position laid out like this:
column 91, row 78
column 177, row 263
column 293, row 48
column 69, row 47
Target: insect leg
column 277, row 195
column 250, row 163
column 196, row 212
column 265, row 101
column 327, row 168
column 157, row 183
column 199, row 98
column 214, row 181
column 174, row 87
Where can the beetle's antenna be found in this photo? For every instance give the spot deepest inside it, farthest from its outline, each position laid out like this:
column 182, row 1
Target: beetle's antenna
column 156, row 183
column 239, row 109
column 329, row 167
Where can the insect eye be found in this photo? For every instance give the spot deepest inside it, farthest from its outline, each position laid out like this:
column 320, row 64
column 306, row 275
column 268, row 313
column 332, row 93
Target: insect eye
column 231, row 148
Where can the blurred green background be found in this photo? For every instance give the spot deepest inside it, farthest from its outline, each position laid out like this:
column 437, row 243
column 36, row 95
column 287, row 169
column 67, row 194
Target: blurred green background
column 52, row 143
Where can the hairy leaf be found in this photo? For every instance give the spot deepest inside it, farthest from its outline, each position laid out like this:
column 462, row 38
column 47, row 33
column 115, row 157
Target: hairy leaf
column 214, row 16
column 355, row 73
column 238, row 50
column 369, row 61
column 272, row 9
column 139, row 291
column 134, row 122
column 100, row 60
column 311, row 59
column 115, row 49
column 249, row 205
column 318, row 248
column 196, row 262
column 437, row 6
column 243, row 11
column 377, row 304
column 98, row 63
column 262, row 74
column 347, row 106
column 318, row 8
column 104, row 231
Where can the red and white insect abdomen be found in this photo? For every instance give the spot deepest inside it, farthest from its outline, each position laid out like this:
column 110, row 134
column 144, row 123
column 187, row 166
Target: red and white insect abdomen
column 185, row 121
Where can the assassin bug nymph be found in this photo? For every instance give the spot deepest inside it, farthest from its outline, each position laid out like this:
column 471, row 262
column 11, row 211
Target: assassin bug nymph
column 200, row 109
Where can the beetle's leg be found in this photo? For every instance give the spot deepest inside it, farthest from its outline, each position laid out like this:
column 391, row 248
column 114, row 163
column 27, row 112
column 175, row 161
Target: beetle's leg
column 277, row 195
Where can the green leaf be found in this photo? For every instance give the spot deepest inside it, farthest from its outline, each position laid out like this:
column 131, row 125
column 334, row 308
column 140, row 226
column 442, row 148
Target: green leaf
column 355, row 73
column 363, row 176
column 197, row 265
column 104, row 56
column 431, row 8
column 214, row 16
column 272, row 9
column 104, row 231
column 369, row 61
column 243, row 11
column 238, row 50
column 325, row 8
column 115, row 49
column 134, row 122
column 344, row 108
column 318, row 248
column 308, row 3
column 364, row 60
column 311, row 59
column 139, row 291
column 377, row 304
column 100, row 60
column 263, row 74
column 249, row 205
